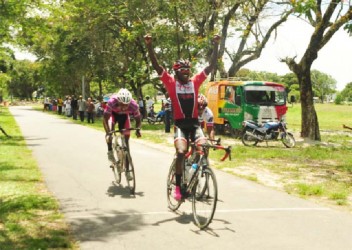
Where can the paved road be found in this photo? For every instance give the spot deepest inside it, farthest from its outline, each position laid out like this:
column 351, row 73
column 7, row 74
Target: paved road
column 104, row 216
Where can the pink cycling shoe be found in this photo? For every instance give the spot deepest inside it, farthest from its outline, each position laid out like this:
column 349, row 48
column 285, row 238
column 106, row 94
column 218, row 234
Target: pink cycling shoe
column 177, row 194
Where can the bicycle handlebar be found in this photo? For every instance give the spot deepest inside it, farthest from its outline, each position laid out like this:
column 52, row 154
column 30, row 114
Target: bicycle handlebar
column 215, row 147
column 122, row 130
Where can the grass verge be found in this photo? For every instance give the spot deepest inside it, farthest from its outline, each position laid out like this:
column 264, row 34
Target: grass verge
column 29, row 214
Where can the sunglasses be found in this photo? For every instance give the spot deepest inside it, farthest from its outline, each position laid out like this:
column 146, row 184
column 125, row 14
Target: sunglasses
column 184, row 69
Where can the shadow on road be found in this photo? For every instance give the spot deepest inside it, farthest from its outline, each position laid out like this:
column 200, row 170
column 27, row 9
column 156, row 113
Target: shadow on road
column 122, row 191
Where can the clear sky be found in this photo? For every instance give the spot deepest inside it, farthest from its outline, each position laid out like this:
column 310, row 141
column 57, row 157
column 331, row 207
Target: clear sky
column 334, row 58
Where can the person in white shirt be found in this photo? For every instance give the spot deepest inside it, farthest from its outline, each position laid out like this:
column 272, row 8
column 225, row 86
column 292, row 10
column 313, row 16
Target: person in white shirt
column 149, row 103
column 205, row 116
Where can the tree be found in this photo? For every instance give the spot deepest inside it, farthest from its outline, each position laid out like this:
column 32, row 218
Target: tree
column 323, row 85
column 24, row 79
column 346, row 93
column 326, row 21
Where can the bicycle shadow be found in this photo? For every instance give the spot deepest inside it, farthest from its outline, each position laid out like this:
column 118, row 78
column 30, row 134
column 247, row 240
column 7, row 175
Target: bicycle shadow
column 187, row 218
column 180, row 217
column 122, row 190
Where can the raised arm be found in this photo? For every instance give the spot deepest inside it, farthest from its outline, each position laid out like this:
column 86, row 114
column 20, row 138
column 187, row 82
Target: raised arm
column 214, row 56
column 148, row 41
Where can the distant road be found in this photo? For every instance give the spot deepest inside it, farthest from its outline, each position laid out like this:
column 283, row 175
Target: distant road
column 102, row 215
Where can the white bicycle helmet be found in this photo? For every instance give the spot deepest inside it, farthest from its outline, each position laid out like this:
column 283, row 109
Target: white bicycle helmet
column 124, row 96
column 202, row 101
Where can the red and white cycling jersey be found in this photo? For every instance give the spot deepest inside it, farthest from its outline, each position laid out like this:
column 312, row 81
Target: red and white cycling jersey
column 206, row 118
column 183, row 96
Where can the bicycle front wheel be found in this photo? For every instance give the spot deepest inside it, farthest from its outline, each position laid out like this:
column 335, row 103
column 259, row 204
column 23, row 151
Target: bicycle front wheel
column 204, row 198
column 117, row 174
column 171, row 185
column 130, row 174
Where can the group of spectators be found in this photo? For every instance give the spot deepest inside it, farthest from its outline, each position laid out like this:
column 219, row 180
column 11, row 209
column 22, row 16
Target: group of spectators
column 73, row 107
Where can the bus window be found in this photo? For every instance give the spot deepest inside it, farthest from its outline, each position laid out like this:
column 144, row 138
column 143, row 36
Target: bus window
column 260, row 97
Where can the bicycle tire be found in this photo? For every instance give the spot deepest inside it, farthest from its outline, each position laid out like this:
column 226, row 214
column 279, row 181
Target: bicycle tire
column 130, row 182
column 115, row 169
column 204, row 201
column 117, row 174
column 171, row 184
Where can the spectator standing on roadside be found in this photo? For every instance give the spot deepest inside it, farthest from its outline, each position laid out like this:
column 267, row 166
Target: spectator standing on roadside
column 149, row 103
column 46, row 104
column 90, row 110
column 60, row 103
column 74, row 106
column 68, row 107
column 141, row 107
column 81, row 108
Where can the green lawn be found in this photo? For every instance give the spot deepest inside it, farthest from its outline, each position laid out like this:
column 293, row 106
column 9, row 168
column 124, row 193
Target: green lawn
column 330, row 116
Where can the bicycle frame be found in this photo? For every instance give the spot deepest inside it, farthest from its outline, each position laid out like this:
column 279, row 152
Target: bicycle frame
column 124, row 159
column 201, row 186
column 203, row 161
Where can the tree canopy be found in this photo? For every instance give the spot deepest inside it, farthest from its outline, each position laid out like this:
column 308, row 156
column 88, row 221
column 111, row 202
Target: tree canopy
column 101, row 41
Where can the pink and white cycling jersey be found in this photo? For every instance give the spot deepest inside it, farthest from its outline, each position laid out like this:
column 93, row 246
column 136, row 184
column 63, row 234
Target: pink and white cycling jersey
column 112, row 107
column 207, row 117
column 183, row 96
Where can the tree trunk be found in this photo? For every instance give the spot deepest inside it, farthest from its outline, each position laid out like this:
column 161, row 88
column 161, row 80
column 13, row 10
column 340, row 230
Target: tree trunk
column 310, row 124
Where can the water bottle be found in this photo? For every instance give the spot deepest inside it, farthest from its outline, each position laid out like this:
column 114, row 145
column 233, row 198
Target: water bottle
column 193, row 169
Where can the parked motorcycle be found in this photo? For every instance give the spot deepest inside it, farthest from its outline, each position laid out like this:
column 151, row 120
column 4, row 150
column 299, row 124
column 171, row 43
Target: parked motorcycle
column 159, row 117
column 253, row 133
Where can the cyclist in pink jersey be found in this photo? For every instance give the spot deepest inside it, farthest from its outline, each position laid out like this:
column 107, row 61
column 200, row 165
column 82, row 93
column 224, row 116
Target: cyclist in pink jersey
column 118, row 110
column 183, row 92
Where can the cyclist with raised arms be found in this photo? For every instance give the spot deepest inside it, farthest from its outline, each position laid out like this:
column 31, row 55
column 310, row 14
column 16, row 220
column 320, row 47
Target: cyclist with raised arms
column 206, row 117
column 118, row 110
column 183, row 91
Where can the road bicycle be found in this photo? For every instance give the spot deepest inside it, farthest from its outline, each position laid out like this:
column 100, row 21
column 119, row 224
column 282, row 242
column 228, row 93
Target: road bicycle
column 201, row 187
column 124, row 163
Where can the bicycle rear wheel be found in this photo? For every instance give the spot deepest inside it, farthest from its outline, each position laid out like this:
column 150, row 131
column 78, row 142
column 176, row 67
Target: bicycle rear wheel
column 130, row 174
column 171, row 185
column 204, row 199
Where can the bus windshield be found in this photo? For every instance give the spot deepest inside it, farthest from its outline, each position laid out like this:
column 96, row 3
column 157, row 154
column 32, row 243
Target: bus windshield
column 265, row 95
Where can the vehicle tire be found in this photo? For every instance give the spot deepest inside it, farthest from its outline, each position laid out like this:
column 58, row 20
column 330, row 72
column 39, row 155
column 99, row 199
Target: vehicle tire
column 204, row 199
column 249, row 140
column 151, row 120
column 130, row 171
column 171, row 185
column 288, row 140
